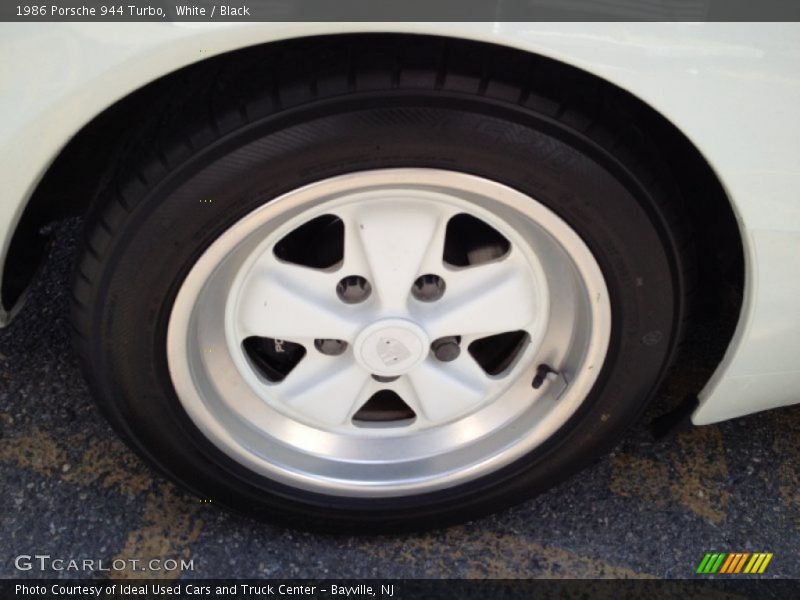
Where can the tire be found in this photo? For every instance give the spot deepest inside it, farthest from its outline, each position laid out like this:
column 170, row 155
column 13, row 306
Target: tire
column 237, row 133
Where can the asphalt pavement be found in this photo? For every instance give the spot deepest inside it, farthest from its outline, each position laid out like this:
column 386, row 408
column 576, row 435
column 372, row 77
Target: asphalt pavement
column 72, row 489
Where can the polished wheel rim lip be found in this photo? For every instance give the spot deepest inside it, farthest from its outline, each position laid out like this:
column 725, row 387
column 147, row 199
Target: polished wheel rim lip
column 246, row 418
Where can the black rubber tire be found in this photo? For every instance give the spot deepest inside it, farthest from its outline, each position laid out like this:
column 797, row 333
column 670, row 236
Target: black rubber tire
column 243, row 129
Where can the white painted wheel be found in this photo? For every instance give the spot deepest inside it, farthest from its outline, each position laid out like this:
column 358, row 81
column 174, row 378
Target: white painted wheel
column 452, row 325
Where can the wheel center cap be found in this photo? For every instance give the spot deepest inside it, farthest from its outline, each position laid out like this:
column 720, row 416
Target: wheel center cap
column 391, row 347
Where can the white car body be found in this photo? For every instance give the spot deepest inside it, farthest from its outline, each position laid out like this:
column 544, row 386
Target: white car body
column 732, row 89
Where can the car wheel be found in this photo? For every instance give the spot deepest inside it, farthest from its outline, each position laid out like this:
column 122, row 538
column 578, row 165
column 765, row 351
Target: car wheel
column 381, row 308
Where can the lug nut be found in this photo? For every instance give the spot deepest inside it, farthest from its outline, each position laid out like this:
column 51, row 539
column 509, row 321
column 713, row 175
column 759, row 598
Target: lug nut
column 446, row 348
column 385, row 378
column 353, row 289
column 428, row 288
column 330, row 347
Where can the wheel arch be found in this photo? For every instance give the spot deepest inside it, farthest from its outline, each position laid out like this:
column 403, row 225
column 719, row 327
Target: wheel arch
column 88, row 160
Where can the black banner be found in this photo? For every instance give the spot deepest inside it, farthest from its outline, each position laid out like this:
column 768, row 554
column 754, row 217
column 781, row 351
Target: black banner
column 395, row 589
column 400, row 10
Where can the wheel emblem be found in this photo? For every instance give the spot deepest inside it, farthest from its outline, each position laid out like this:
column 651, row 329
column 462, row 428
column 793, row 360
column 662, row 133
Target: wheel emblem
column 392, row 351
column 390, row 347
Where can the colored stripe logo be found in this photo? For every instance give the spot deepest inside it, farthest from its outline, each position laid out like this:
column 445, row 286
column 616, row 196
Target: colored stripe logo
column 733, row 563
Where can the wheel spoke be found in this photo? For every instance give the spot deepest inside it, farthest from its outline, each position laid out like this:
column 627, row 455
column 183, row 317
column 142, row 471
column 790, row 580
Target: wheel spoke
column 394, row 241
column 287, row 301
column 403, row 388
column 484, row 300
column 442, row 391
column 433, row 258
column 326, row 389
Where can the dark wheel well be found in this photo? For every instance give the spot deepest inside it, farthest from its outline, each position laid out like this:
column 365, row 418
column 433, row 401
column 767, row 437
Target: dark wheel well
column 92, row 157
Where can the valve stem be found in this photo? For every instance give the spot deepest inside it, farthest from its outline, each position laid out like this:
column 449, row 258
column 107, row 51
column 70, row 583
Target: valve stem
column 543, row 372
